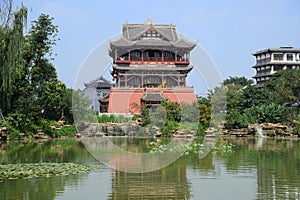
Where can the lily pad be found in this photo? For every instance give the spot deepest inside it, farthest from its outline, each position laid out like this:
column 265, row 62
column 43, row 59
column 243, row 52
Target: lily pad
column 30, row 170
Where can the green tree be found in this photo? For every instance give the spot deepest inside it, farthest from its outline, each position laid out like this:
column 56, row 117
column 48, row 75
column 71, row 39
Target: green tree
column 66, row 106
column 205, row 108
column 82, row 107
column 38, row 70
column 284, row 86
column 253, row 96
column 190, row 113
column 234, row 119
column 173, row 110
column 242, row 81
column 11, row 45
column 30, row 89
column 218, row 98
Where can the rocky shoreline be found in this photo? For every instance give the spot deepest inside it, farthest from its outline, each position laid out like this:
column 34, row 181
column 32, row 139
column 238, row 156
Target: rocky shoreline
column 109, row 129
column 135, row 130
column 262, row 130
column 132, row 129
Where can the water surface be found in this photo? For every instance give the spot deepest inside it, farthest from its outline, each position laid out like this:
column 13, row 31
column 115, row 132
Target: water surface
column 256, row 169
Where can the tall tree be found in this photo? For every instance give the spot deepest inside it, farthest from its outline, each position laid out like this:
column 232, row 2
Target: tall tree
column 11, row 40
column 284, row 86
column 38, row 78
column 242, row 81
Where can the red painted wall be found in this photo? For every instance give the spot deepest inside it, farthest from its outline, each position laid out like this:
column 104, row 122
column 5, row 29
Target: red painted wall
column 128, row 100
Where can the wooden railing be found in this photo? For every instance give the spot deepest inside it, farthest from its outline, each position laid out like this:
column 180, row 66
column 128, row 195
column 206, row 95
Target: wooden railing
column 151, row 60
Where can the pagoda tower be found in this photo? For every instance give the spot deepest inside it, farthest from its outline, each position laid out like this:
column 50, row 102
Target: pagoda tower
column 150, row 64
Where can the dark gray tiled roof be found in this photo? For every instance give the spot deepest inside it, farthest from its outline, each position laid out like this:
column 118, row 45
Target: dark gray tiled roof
column 153, row 96
column 281, row 49
column 100, row 81
column 183, row 43
column 131, row 33
column 122, row 41
column 152, row 42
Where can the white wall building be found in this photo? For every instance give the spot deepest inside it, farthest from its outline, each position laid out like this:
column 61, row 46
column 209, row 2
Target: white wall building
column 271, row 60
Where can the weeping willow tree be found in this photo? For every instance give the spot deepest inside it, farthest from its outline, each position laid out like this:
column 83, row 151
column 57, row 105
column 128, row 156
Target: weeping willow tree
column 12, row 25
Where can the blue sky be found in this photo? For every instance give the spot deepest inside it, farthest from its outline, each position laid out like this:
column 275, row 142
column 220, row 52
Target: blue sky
column 228, row 30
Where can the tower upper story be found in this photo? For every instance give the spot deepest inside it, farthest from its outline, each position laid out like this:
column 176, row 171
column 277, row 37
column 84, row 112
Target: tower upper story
column 150, row 44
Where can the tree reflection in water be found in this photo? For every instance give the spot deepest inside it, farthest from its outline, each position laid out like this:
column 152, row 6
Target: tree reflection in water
column 274, row 166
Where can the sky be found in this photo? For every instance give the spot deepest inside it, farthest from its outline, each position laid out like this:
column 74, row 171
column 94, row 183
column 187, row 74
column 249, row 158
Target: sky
column 229, row 31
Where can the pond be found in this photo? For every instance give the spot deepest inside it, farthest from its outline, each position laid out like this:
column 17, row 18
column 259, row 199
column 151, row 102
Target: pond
column 256, row 168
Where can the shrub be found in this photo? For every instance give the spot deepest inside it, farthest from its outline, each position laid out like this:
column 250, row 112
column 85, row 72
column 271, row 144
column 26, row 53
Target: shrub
column 234, row 119
column 297, row 127
column 14, row 134
column 169, row 128
column 112, row 118
column 201, row 130
column 65, row 131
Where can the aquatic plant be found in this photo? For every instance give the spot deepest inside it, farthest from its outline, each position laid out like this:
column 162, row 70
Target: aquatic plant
column 189, row 148
column 31, row 170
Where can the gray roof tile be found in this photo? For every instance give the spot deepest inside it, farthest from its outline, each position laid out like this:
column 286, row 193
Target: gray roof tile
column 153, row 96
column 131, row 32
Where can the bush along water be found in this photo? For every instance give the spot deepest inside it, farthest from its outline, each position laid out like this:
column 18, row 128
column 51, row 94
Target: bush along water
column 170, row 117
column 42, row 130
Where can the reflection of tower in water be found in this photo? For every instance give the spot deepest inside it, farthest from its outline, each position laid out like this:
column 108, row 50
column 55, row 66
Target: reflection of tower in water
column 170, row 182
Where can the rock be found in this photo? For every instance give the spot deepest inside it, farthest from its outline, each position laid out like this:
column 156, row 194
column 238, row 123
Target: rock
column 270, row 132
column 225, row 132
column 98, row 134
column 241, row 132
column 40, row 132
column 60, row 123
column 3, row 129
column 78, row 135
column 158, row 134
column 81, row 126
column 270, row 129
column 183, row 134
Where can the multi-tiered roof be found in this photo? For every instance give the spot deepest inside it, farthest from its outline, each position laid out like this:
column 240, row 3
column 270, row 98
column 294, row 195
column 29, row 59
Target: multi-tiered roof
column 150, row 43
column 149, row 35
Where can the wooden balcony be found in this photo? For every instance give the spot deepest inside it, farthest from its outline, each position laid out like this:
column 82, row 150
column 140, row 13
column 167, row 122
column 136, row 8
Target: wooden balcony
column 151, row 61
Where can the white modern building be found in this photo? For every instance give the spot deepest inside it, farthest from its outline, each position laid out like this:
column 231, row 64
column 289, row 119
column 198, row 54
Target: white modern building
column 271, row 60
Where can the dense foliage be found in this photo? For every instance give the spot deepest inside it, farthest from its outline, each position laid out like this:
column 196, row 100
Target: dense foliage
column 276, row 102
column 30, row 90
column 104, row 118
column 170, row 117
column 240, row 100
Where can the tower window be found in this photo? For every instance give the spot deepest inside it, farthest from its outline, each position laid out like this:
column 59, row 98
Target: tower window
column 278, row 56
column 290, row 57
